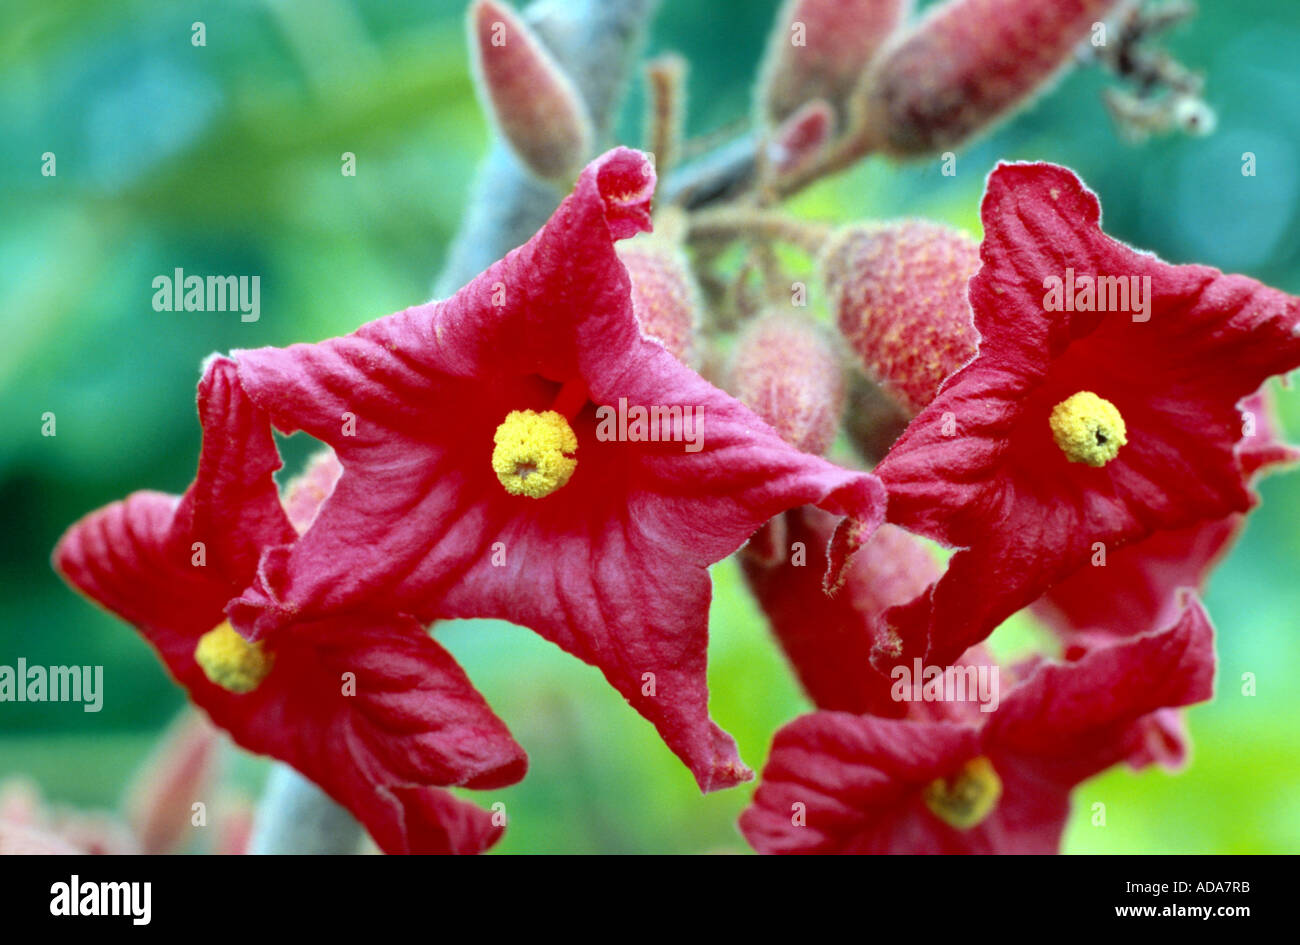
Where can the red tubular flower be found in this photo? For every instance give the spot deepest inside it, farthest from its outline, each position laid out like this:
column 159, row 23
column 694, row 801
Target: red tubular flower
column 829, row 638
column 488, row 470
column 366, row 705
column 1000, row 783
column 1080, row 426
column 1135, row 589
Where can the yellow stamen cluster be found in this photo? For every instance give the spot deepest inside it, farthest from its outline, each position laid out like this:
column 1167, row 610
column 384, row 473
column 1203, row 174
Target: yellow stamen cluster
column 533, row 455
column 965, row 800
column 230, row 661
column 1088, row 429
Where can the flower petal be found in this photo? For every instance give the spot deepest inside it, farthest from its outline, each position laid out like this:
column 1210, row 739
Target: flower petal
column 855, row 782
column 1134, row 589
column 978, row 468
column 829, row 638
column 233, row 507
column 1076, row 719
column 361, row 704
column 612, row 567
column 436, row 821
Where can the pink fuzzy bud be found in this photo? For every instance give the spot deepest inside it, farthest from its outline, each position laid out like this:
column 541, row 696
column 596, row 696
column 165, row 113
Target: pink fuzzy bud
column 307, row 492
column 967, row 64
column 898, row 292
column 786, row 371
column 180, row 773
column 802, row 137
column 535, row 104
column 665, row 298
column 234, row 824
column 820, row 50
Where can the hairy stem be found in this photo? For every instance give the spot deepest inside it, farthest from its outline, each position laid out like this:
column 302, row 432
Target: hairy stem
column 295, row 816
column 595, row 41
column 732, row 223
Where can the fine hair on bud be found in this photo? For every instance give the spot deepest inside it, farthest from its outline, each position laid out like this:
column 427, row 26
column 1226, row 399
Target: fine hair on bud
column 796, row 145
column 964, row 66
column 787, row 371
column 535, row 105
column 898, row 293
column 665, row 297
column 819, row 49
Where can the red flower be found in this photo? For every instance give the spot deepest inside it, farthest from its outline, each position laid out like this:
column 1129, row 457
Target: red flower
column 487, row 472
column 972, row 783
column 1135, row 589
column 829, row 638
column 1078, row 426
column 366, row 705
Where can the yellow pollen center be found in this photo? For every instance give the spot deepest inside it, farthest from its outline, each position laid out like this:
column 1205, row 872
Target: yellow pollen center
column 966, row 799
column 533, row 455
column 230, row 661
column 1088, row 429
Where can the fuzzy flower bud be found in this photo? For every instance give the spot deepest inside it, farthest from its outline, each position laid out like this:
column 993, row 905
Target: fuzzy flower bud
column 785, row 370
column 966, row 65
column 801, row 139
column 898, row 292
column 820, row 50
column 665, row 297
column 180, row 773
column 535, row 104
column 307, row 492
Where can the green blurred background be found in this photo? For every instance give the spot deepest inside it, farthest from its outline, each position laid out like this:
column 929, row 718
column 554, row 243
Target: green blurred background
column 226, row 159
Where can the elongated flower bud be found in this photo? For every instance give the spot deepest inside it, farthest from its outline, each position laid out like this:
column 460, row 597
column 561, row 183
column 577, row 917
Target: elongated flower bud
column 535, row 104
column 898, row 292
column 307, row 492
column 665, row 298
column 786, row 371
column 966, row 65
column 820, row 49
column 802, row 137
column 180, row 773
column 234, row 823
